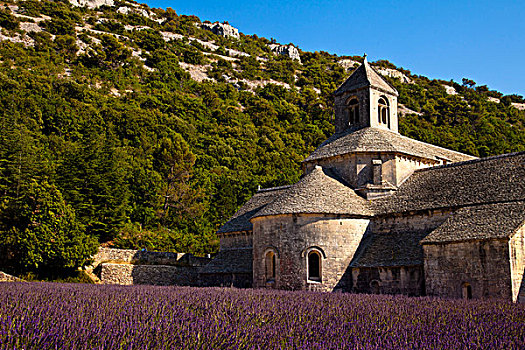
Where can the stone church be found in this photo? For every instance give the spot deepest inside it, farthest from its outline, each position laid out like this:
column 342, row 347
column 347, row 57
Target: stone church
column 378, row 212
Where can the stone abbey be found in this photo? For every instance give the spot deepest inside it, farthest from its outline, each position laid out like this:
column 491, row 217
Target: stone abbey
column 377, row 212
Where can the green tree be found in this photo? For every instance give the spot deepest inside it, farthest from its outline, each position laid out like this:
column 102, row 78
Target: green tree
column 39, row 232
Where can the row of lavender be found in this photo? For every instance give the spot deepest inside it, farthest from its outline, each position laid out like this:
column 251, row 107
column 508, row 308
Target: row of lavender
column 61, row 316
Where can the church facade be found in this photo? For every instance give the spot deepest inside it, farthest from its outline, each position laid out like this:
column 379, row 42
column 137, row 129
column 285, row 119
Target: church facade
column 377, row 212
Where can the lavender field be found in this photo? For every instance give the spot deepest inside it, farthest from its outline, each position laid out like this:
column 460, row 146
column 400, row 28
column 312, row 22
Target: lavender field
column 66, row 316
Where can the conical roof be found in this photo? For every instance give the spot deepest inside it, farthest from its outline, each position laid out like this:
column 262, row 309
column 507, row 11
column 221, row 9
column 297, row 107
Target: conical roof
column 365, row 76
column 319, row 192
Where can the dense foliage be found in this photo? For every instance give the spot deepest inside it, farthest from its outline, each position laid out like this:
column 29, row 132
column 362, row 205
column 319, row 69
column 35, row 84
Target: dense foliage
column 101, row 106
column 61, row 316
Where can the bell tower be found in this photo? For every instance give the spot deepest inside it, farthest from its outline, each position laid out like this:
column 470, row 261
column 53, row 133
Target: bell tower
column 365, row 99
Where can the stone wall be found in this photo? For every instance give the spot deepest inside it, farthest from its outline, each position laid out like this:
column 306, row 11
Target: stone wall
column 127, row 266
column 291, row 237
column 484, row 265
column 236, row 240
column 392, row 260
column 160, row 275
column 146, row 257
column 341, row 115
column 4, row 277
column 357, row 169
column 408, row 280
column 236, row 280
column 517, row 265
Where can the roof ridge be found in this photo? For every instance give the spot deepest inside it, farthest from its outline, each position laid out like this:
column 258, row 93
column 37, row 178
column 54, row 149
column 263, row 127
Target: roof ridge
column 386, row 81
column 471, row 161
column 422, row 142
column 270, row 189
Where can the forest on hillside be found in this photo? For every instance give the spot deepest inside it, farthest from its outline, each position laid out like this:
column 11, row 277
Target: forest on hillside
column 106, row 137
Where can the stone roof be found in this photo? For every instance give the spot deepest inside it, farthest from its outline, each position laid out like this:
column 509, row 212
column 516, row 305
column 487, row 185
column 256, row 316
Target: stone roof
column 395, row 248
column 318, row 192
column 481, row 222
column 372, row 139
column 475, row 182
column 239, row 260
column 365, row 76
column 240, row 221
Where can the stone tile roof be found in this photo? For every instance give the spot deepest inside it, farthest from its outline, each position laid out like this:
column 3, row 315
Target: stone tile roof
column 390, row 249
column 475, row 182
column 365, row 76
column 237, row 260
column 240, row 221
column 371, row 139
column 318, row 192
column 488, row 221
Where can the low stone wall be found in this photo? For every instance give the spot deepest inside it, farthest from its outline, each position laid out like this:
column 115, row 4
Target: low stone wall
column 142, row 257
column 160, row 275
column 4, row 277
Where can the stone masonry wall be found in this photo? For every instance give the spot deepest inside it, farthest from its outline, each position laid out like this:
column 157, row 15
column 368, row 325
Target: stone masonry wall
column 146, row 257
column 483, row 264
column 160, row 275
column 408, row 280
column 400, row 266
column 291, row 236
column 517, row 265
column 236, row 240
column 4, row 277
column 340, row 105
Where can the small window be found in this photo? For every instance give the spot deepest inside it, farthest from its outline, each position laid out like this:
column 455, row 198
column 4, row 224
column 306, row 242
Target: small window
column 352, row 111
column 270, row 266
column 383, row 113
column 314, row 266
column 467, row 291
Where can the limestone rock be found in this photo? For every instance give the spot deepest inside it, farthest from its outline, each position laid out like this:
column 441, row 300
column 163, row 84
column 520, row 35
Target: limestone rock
column 347, row 64
column 520, row 106
column 493, row 99
column 450, row 89
column 221, row 29
column 286, row 50
column 394, row 73
column 92, row 3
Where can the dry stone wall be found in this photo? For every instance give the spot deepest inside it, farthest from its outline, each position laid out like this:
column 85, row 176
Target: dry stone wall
column 147, row 257
column 127, row 266
column 4, row 277
column 160, row 275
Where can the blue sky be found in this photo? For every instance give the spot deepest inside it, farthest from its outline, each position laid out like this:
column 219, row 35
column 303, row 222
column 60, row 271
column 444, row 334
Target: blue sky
column 480, row 40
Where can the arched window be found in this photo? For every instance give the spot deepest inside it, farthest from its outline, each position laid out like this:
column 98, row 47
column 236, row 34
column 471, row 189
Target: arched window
column 269, row 263
column 467, row 291
column 314, row 266
column 352, row 110
column 383, row 113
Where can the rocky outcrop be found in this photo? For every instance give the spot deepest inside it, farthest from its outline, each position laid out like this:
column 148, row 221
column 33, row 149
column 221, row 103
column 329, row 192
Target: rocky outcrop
column 348, row 64
column 221, row 29
column 394, row 73
column 450, row 89
column 286, row 50
column 493, row 99
column 520, row 106
column 92, row 3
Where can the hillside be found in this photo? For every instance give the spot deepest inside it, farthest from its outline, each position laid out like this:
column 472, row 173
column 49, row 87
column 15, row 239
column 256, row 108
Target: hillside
column 156, row 127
